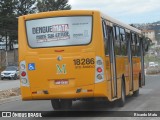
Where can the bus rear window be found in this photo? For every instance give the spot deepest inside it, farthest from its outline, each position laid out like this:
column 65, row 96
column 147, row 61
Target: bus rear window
column 59, row 31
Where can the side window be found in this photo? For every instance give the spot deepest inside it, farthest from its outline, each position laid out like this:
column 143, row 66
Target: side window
column 117, row 41
column 123, row 46
column 104, row 26
column 117, row 33
column 104, row 29
column 127, row 42
column 114, row 32
column 138, row 46
column 133, row 44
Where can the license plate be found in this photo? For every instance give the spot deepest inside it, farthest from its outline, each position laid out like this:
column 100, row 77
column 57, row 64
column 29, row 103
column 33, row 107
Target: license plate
column 61, row 82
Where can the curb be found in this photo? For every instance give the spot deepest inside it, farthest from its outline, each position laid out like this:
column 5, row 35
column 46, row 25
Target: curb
column 10, row 99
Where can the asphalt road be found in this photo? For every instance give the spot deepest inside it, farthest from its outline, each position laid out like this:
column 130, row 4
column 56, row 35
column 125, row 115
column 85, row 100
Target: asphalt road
column 148, row 100
column 8, row 84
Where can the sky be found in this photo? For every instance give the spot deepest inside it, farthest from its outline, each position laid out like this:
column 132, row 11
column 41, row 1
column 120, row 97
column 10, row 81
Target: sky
column 128, row 11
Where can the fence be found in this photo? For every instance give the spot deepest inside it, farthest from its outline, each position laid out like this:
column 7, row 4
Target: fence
column 8, row 58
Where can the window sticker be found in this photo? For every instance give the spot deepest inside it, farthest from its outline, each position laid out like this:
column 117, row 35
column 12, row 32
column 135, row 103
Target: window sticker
column 59, row 31
column 31, row 66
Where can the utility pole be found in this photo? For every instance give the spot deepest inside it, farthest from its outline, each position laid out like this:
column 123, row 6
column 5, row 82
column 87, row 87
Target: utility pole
column 6, row 47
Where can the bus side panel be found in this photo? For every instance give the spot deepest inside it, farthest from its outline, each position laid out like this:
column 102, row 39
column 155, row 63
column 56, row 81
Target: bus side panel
column 102, row 89
column 136, row 71
column 120, row 72
column 127, row 75
column 109, row 79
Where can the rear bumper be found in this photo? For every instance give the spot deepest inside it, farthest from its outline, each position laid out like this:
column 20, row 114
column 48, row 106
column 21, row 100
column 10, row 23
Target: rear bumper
column 8, row 77
column 90, row 91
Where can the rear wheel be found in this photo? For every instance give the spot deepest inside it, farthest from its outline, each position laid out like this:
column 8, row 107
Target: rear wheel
column 66, row 103
column 55, row 104
column 140, row 80
column 61, row 104
column 122, row 100
column 15, row 77
column 136, row 93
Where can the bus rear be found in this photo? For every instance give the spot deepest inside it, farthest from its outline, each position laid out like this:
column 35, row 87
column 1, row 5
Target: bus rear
column 58, row 58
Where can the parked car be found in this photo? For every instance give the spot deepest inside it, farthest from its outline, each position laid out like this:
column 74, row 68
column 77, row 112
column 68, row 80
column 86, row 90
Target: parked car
column 156, row 64
column 11, row 72
column 151, row 64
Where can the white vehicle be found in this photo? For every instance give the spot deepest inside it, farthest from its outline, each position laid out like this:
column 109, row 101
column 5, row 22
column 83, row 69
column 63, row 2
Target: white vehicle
column 2, row 46
column 156, row 64
column 11, row 72
column 152, row 64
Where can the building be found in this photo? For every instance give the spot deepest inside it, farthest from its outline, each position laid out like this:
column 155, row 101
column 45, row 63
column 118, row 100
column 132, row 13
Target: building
column 150, row 34
column 15, row 45
column 3, row 46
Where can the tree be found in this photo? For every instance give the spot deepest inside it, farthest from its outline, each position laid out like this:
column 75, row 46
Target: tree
column 52, row 5
column 7, row 7
column 24, row 7
column 8, row 29
column 9, row 11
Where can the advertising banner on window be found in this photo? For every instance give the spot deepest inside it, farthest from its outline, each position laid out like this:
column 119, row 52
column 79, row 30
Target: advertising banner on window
column 59, row 31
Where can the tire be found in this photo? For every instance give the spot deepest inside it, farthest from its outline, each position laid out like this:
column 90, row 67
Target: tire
column 136, row 93
column 122, row 100
column 55, row 104
column 15, row 77
column 2, row 78
column 140, row 80
column 66, row 104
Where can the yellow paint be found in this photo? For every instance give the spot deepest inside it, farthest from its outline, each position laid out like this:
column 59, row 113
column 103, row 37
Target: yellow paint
column 49, row 69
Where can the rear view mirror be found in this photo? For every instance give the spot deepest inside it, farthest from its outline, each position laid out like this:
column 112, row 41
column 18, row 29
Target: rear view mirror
column 146, row 43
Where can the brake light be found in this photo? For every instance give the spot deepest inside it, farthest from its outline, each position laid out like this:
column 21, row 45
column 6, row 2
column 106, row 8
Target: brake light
column 99, row 72
column 99, row 69
column 23, row 74
column 59, row 50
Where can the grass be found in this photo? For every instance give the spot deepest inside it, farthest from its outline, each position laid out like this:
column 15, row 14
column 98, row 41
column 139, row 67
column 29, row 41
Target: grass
column 151, row 58
column 153, row 70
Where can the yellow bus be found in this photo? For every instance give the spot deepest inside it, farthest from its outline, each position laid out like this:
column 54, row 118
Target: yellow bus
column 78, row 55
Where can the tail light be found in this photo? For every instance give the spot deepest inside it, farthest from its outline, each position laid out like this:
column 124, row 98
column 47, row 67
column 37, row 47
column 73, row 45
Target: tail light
column 99, row 69
column 23, row 74
column 99, row 73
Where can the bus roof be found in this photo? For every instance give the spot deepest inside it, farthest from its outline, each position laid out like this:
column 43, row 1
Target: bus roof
column 110, row 19
column 81, row 12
